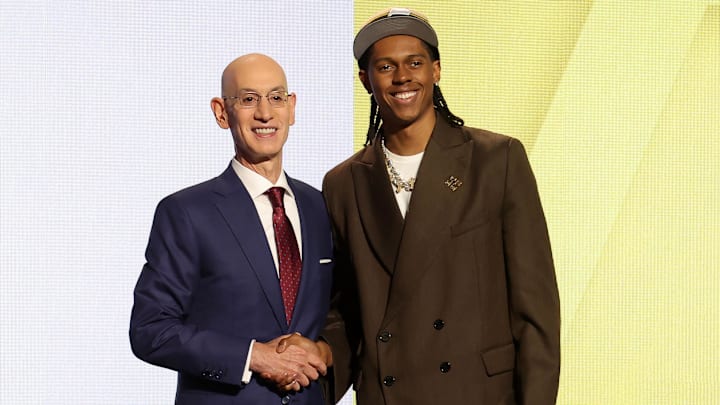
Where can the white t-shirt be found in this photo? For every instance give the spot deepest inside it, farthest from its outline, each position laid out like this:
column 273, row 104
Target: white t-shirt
column 407, row 167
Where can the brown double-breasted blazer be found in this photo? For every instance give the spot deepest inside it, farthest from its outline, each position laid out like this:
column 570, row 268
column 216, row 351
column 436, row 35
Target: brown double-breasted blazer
column 458, row 302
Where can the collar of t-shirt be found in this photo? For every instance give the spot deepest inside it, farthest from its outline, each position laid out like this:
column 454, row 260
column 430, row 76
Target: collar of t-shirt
column 407, row 167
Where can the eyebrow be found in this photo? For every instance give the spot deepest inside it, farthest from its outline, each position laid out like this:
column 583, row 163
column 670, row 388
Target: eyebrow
column 411, row 56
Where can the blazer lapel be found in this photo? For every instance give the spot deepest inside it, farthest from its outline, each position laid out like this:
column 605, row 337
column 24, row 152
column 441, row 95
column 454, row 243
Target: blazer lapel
column 379, row 213
column 241, row 215
column 433, row 201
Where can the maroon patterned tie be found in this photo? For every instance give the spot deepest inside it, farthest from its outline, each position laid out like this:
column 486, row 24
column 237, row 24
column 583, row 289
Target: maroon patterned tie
column 287, row 251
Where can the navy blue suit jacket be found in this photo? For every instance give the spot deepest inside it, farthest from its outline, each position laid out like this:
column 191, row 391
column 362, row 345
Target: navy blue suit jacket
column 210, row 286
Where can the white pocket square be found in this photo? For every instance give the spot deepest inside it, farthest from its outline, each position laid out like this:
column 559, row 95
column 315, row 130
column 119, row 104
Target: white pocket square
column 325, row 261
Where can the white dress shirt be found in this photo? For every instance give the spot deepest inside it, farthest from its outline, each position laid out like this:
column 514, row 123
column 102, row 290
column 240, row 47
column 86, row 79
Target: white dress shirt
column 256, row 186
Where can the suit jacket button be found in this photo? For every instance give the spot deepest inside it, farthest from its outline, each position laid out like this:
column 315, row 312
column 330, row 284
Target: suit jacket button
column 385, row 336
column 389, row 381
column 445, row 367
column 439, row 324
column 285, row 400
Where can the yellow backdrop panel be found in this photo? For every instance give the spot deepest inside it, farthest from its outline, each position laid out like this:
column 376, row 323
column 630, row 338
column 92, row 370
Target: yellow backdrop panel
column 618, row 106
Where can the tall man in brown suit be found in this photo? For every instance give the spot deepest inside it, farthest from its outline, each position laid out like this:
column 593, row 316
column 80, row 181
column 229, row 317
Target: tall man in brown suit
column 445, row 287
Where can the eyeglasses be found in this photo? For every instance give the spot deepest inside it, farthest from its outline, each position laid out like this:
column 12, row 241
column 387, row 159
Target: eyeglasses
column 277, row 99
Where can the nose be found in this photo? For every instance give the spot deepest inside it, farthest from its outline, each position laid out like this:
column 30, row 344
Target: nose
column 402, row 74
column 263, row 111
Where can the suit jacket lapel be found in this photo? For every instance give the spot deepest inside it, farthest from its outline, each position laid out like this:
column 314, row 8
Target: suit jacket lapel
column 378, row 208
column 448, row 154
column 241, row 215
column 308, row 253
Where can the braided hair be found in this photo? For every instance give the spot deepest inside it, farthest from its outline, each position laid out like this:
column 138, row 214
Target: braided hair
column 439, row 102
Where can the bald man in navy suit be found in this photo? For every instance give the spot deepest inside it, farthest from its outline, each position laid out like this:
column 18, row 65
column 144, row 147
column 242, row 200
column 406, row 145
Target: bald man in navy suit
column 208, row 302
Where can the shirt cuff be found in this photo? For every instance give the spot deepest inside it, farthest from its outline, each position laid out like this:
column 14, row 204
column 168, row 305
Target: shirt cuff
column 247, row 374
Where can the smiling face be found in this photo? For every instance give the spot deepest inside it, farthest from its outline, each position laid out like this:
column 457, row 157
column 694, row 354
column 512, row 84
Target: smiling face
column 400, row 74
column 259, row 132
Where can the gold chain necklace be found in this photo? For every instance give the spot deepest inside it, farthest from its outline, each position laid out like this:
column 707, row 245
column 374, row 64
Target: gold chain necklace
column 395, row 178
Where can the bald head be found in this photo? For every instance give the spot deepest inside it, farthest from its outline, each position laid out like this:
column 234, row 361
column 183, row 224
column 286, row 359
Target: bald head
column 244, row 72
column 258, row 110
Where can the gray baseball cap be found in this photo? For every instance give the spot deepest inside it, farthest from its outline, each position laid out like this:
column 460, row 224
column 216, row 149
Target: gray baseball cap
column 393, row 21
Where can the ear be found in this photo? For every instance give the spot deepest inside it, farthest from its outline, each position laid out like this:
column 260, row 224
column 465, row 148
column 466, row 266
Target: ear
column 362, row 74
column 436, row 71
column 292, row 98
column 218, row 107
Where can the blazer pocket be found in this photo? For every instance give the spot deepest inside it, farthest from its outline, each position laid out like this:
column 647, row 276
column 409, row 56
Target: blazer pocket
column 499, row 359
column 467, row 226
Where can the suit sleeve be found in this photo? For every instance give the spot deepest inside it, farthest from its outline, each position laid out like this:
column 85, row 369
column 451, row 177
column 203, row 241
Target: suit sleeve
column 534, row 299
column 159, row 331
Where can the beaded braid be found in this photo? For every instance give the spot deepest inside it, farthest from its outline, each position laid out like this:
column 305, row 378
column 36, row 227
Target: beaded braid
column 375, row 121
column 441, row 105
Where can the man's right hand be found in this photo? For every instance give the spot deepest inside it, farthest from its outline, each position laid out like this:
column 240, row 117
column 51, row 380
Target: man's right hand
column 289, row 368
column 296, row 341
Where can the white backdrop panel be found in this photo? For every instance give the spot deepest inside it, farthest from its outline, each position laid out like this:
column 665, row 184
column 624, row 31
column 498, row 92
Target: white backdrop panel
column 104, row 109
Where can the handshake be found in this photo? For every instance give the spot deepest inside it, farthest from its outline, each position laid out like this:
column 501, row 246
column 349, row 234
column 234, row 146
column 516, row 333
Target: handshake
column 290, row 362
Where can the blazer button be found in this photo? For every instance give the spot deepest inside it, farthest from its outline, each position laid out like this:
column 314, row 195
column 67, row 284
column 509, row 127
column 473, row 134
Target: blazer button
column 385, row 336
column 285, row 400
column 389, row 381
column 445, row 367
column 439, row 324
